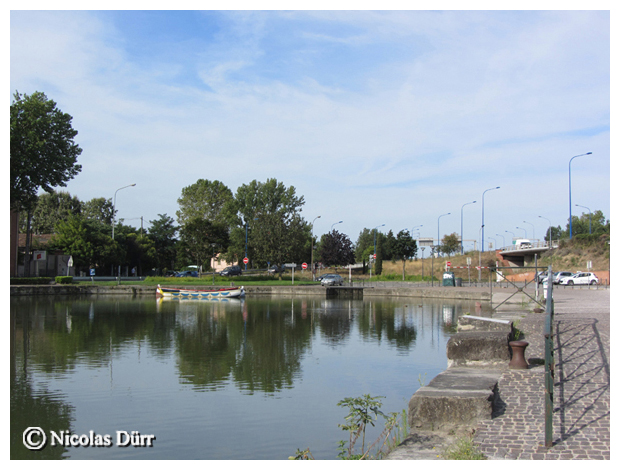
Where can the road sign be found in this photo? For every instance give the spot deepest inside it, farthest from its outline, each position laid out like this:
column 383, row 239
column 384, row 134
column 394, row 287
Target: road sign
column 246, row 260
column 448, row 264
column 304, row 266
column 374, row 256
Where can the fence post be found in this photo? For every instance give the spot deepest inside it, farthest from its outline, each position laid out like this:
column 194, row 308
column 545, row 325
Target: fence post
column 549, row 362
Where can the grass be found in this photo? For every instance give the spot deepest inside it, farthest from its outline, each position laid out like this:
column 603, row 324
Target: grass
column 463, row 449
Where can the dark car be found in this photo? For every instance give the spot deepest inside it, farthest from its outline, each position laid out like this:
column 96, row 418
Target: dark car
column 182, row 274
column 233, row 270
column 275, row 269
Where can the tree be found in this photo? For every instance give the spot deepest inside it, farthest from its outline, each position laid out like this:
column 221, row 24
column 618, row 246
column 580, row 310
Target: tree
column 162, row 233
column 86, row 241
column 101, row 210
column 267, row 208
column 49, row 209
column 364, row 247
column 450, row 244
column 404, row 247
column 336, row 249
column 43, row 151
column 197, row 236
column 204, row 200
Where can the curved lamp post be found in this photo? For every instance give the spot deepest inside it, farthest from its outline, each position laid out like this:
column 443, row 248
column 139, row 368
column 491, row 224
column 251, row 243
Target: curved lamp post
column 549, row 230
column 512, row 235
column 114, row 207
column 335, row 225
column 312, row 245
column 462, row 225
column 588, row 153
column 590, row 214
column 503, row 240
column 483, row 218
column 525, row 233
column 526, row 222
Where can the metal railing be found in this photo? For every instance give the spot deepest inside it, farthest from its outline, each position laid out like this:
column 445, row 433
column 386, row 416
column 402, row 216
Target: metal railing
column 548, row 334
column 533, row 245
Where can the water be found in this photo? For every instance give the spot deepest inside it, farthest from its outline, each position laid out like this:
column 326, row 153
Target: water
column 251, row 379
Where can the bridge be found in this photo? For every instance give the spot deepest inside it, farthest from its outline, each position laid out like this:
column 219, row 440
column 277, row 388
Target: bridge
column 521, row 256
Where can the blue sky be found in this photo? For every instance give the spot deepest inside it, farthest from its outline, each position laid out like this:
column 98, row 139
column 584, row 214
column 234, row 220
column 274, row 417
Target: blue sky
column 375, row 117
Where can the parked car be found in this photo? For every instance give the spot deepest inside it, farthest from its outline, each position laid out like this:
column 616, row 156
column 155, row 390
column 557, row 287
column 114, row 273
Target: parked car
column 233, row 270
column 586, row 278
column 558, row 276
column 321, row 277
column 170, row 273
column 332, row 280
column 542, row 276
column 275, row 269
column 182, row 274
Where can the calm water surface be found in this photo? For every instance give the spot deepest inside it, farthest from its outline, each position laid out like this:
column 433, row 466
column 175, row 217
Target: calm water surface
column 251, row 379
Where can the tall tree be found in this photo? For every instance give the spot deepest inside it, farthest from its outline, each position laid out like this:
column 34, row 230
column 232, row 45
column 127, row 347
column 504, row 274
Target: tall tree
column 450, row 244
column 336, row 249
column 49, row 209
column 43, row 151
column 99, row 209
column 404, row 247
column 197, row 236
column 163, row 234
column 258, row 205
column 204, row 200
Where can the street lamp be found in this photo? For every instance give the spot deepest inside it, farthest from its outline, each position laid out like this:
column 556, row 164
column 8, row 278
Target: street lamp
column 312, row 245
column 483, row 217
column 335, row 225
column 503, row 240
column 526, row 222
column 588, row 153
column 590, row 214
column 549, row 230
column 114, row 207
column 374, row 240
column 513, row 235
column 439, row 226
column 525, row 233
column 462, row 225
column 495, row 242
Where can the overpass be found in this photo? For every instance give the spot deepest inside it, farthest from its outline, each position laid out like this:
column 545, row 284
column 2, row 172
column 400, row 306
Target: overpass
column 522, row 256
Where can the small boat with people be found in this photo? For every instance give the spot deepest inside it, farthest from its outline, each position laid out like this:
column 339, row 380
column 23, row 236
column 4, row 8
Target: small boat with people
column 180, row 293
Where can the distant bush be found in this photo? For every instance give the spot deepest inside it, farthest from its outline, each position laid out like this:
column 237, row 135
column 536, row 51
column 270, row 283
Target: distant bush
column 64, row 280
column 41, row 280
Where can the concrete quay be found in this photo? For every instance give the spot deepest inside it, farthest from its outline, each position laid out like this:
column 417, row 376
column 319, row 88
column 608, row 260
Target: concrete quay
column 515, row 428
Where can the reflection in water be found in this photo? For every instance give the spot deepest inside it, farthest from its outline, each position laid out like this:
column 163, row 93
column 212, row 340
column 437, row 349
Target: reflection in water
column 105, row 363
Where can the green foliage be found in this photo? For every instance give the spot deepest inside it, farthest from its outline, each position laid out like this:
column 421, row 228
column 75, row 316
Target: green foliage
column 163, row 234
column 450, row 244
column 64, row 280
column 463, row 449
column 378, row 265
column 205, row 200
column 200, row 239
column 49, row 209
column 336, row 249
column 363, row 410
column 43, row 152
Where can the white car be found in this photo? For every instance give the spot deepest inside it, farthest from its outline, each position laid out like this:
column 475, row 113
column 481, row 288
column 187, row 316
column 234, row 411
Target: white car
column 558, row 276
column 586, row 278
column 332, row 280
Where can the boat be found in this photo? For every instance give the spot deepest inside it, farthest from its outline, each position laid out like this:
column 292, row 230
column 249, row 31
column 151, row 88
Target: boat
column 179, row 293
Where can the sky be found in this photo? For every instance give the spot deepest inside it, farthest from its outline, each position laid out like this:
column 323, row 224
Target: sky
column 388, row 118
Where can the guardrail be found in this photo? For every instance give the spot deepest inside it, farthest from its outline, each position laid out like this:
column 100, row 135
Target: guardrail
column 533, row 245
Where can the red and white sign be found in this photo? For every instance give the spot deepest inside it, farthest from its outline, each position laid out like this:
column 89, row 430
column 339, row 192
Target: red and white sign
column 448, row 264
column 304, row 266
column 246, row 260
column 374, row 256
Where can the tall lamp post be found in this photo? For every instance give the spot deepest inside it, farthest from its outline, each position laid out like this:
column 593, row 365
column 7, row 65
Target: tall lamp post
column 335, row 225
column 483, row 217
column 374, row 240
column 526, row 222
column 525, row 233
column 588, row 153
column 590, row 214
column 114, row 207
column 503, row 240
column 462, row 225
column 439, row 229
column 512, row 235
column 549, row 230
column 312, row 246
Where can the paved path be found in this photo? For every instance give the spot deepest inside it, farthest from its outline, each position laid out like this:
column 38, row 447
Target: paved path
column 581, row 389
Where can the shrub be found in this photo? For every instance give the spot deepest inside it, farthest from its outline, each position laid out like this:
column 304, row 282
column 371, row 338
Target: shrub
column 64, row 280
column 41, row 280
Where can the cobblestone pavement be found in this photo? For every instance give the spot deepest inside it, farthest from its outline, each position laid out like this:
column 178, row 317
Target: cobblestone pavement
column 581, row 424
